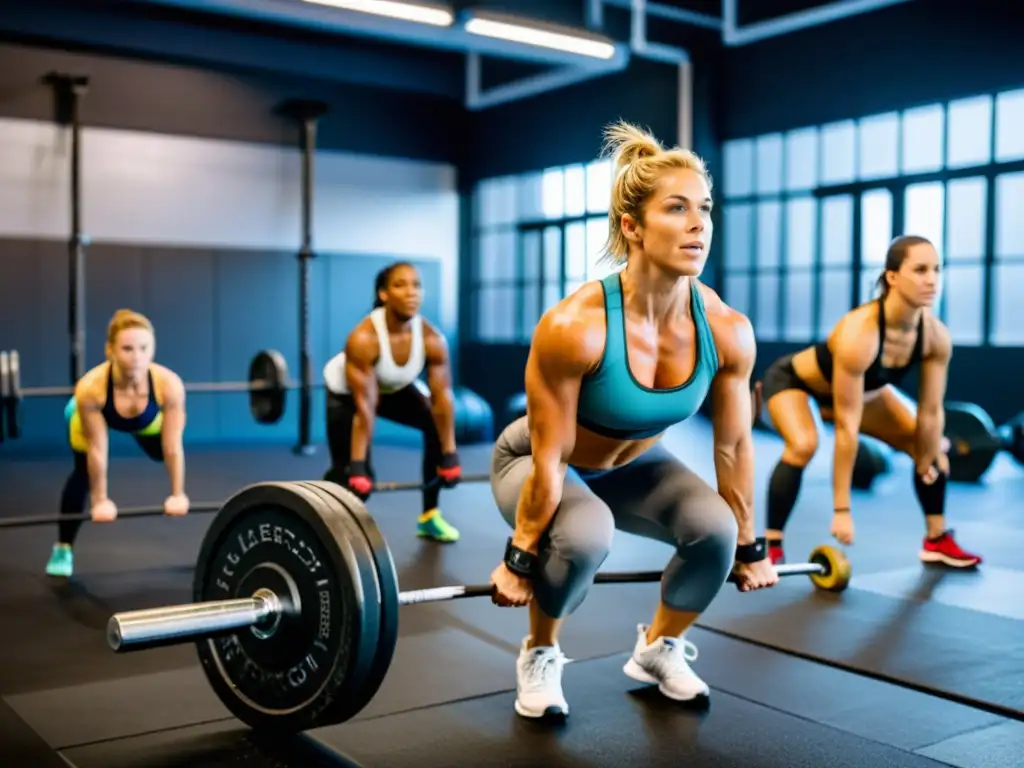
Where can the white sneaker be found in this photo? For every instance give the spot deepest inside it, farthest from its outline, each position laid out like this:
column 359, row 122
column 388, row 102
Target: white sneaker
column 539, row 682
column 666, row 662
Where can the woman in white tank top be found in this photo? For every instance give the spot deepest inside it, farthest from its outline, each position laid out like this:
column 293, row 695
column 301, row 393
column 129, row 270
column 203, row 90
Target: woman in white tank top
column 378, row 374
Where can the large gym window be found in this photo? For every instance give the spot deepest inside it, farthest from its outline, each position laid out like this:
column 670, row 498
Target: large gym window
column 807, row 216
column 536, row 237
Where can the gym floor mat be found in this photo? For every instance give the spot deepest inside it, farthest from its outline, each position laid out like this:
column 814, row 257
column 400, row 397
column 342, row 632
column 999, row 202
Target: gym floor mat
column 202, row 746
column 613, row 722
column 968, row 656
column 20, row 745
column 421, row 675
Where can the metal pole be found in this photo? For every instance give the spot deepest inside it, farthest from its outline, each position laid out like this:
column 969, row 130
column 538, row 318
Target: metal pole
column 304, row 446
column 307, row 113
column 69, row 90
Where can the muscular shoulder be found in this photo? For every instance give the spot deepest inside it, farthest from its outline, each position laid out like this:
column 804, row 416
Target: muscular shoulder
column 571, row 335
column 733, row 332
column 938, row 343
column 168, row 384
column 362, row 344
column 434, row 341
column 854, row 340
column 91, row 389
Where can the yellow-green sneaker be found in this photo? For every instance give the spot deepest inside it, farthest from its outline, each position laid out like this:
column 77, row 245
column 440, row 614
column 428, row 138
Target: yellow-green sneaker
column 431, row 525
column 62, row 561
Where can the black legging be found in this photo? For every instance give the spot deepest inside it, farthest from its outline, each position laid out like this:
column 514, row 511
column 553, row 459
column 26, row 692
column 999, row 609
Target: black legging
column 75, row 496
column 408, row 407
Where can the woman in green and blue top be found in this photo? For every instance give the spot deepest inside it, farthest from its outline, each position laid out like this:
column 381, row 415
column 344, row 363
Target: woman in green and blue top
column 126, row 393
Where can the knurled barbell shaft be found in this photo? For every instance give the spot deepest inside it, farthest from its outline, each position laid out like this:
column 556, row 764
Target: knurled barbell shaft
column 199, row 386
column 438, row 594
column 171, row 625
column 202, row 507
column 414, row 485
column 28, row 521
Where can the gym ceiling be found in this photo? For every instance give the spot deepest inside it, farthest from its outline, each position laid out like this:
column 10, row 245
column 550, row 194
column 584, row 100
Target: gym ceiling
column 452, row 51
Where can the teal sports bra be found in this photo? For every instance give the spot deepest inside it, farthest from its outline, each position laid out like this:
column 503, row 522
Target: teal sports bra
column 614, row 404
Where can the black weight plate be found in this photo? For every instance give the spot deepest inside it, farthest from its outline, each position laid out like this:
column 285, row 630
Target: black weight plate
column 388, row 581
column 1014, row 437
column 973, row 442
column 284, row 537
column 869, row 463
column 269, row 371
column 370, row 676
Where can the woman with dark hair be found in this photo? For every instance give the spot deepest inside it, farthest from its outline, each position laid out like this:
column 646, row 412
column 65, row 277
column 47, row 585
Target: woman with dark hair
column 852, row 376
column 366, row 380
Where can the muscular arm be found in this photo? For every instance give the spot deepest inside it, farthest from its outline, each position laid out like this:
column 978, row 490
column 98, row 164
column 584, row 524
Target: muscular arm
column 554, row 371
column 855, row 346
column 732, row 421
column 931, row 416
column 94, row 427
column 360, row 354
column 439, row 379
column 173, row 430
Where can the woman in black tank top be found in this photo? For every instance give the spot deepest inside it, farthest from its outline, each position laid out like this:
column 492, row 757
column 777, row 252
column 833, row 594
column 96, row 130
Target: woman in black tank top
column 852, row 376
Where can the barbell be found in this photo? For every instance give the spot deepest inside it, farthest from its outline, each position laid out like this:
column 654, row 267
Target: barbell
column 267, row 385
column 204, row 507
column 974, row 440
column 296, row 609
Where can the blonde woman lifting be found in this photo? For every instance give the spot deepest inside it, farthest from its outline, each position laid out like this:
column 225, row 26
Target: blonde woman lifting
column 611, row 367
column 126, row 393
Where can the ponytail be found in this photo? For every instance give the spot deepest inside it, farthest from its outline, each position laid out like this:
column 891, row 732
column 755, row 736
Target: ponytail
column 380, row 284
column 639, row 161
column 894, row 256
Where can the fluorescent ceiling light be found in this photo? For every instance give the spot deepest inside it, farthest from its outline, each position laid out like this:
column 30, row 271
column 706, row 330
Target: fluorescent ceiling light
column 424, row 14
column 560, row 41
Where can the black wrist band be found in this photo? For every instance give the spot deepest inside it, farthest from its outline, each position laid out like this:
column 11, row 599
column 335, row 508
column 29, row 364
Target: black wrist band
column 839, row 510
column 518, row 560
column 751, row 553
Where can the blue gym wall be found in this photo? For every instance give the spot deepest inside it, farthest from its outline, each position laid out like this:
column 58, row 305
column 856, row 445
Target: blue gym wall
column 191, row 196
column 907, row 55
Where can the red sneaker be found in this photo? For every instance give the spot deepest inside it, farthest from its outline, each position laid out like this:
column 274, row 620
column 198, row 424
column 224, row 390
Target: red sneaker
column 775, row 553
column 945, row 550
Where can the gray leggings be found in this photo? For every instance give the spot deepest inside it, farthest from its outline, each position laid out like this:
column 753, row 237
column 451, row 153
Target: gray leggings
column 655, row 496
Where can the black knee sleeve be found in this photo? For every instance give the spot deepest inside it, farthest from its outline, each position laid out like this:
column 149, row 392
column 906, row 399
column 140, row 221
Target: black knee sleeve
column 783, row 490
column 931, row 497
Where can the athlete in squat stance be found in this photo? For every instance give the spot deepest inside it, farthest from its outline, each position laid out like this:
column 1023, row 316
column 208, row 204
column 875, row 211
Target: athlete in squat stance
column 611, row 367
column 852, row 377
column 366, row 380
column 127, row 393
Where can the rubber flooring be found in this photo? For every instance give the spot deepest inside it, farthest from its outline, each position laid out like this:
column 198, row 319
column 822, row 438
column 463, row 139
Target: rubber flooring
column 921, row 630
